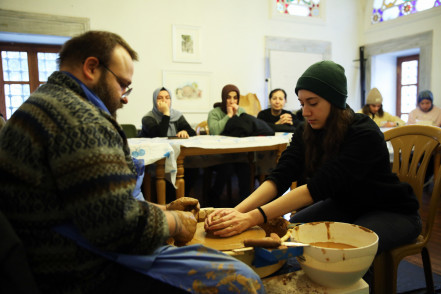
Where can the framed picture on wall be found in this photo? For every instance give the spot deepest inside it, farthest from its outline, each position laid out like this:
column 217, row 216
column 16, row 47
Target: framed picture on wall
column 186, row 44
column 191, row 91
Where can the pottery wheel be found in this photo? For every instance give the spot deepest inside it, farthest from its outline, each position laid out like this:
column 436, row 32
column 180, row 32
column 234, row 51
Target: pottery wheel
column 225, row 243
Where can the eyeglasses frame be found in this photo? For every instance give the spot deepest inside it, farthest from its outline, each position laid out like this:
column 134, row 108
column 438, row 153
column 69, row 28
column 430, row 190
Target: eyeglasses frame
column 128, row 89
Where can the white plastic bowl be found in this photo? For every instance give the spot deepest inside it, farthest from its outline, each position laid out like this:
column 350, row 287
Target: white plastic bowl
column 336, row 268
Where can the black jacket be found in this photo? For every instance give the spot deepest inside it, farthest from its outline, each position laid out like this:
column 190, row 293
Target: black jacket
column 151, row 129
column 359, row 176
column 246, row 125
column 271, row 120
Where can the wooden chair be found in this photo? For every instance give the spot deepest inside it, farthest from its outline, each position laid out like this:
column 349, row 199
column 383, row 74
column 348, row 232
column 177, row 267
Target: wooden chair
column 202, row 128
column 129, row 130
column 250, row 103
column 413, row 147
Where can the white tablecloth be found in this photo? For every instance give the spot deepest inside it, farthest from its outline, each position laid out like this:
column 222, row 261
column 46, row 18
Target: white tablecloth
column 153, row 149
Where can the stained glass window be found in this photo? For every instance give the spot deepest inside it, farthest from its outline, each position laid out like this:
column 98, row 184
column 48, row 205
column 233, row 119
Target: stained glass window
column 299, row 7
column 384, row 10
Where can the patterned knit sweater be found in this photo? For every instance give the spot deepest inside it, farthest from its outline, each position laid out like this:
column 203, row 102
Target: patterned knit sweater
column 64, row 160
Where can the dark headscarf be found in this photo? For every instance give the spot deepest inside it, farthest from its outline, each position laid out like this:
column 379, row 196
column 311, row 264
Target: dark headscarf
column 225, row 91
column 425, row 94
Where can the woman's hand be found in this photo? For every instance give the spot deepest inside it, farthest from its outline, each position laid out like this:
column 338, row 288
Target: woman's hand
column 389, row 124
column 228, row 222
column 163, row 108
column 232, row 110
column 285, row 118
column 183, row 134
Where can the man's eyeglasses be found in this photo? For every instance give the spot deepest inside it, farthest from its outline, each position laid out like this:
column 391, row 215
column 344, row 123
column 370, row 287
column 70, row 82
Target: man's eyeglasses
column 124, row 86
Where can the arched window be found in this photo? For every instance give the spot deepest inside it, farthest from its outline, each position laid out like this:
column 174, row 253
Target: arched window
column 384, row 10
column 299, row 7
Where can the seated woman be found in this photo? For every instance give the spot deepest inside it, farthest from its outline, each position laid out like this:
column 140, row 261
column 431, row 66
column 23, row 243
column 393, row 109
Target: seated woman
column 162, row 120
column 374, row 109
column 276, row 117
column 426, row 113
column 223, row 111
column 217, row 119
column 341, row 163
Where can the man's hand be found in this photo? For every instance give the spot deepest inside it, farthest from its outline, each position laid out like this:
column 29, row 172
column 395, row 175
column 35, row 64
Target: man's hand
column 185, row 226
column 185, row 204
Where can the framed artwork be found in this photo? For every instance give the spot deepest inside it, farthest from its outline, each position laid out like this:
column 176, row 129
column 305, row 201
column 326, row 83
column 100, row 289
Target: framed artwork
column 191, row 91
column 186, row 44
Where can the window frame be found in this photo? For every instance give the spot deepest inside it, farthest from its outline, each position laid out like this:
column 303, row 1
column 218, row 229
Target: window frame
column 400, row 61
column 32, row 50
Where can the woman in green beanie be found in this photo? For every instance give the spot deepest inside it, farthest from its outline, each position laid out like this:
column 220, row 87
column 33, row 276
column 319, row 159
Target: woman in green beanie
column 341, row 164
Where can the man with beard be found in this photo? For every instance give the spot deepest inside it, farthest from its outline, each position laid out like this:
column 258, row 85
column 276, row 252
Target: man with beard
column 67, row 182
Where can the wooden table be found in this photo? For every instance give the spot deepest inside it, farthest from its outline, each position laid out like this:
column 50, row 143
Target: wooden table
column 194, row 151
column 169, row 155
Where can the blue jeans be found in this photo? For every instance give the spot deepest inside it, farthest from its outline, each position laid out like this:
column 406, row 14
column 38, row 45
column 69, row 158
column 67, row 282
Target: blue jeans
column 393, row 229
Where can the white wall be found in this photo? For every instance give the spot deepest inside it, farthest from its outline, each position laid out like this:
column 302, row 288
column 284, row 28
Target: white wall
column 286, row 68
column 385, row 68
column 233, row 34
column 415, row 24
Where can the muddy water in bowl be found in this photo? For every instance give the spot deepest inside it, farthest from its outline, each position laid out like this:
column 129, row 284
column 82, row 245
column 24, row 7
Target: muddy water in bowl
column 334, row 245
column 330, row 266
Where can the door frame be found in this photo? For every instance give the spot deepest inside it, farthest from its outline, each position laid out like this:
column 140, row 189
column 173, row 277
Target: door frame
column 292, row 45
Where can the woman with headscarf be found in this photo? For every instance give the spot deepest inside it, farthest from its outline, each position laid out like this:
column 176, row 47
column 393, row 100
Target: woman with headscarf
column 223, row 111
column 426, row 113
column 162, row 120
column 218, row 118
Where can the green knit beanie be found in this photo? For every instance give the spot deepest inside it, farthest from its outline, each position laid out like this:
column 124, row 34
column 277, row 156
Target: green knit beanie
column 326, row 79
